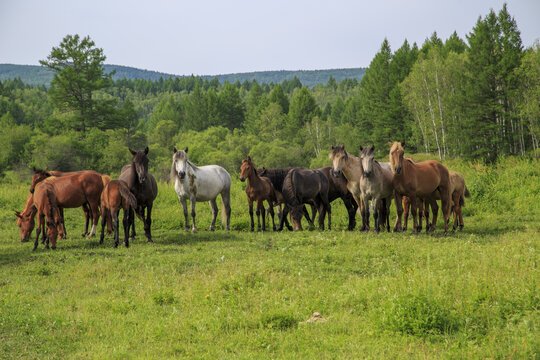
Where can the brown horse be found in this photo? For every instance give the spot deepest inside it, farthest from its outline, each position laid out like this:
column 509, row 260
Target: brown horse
column 45, row 201
column 258, row 189
column 458, row 190
column 418, row 181
column 39, row 175
column 73, row 191
column 143, row 185
column 114, row 197
column 25, row 219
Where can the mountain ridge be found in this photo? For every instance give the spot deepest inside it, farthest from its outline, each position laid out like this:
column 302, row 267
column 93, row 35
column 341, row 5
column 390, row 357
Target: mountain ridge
column 38, row 75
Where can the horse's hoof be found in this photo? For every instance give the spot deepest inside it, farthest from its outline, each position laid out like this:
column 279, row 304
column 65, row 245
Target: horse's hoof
column 186, row 229
column 460, row 227
column 210, row 229
column 126, row 244
column 150, row 241
column 115, row 245
column 84, row 234
column 53, row 247
column 194, row 231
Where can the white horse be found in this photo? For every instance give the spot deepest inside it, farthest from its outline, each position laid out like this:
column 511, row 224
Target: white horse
column 202, row 183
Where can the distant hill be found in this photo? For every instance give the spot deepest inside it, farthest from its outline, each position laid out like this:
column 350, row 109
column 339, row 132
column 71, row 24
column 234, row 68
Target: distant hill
column 37, row 75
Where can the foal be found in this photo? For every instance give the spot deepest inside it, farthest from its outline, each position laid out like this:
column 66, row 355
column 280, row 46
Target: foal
column 47, row 208
column 114, row 197
column 258, row 189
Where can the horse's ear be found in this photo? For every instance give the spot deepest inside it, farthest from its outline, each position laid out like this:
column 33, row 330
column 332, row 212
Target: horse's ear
column 333, row 147
column 372, row 148
column 390, row 144
column 18, row 214
column 146, row 150
column 361, row 148
column 249, row 158
column 174, row 149
column 34, row 169
column 132, row 151
column 186, row 149
column 403, row 143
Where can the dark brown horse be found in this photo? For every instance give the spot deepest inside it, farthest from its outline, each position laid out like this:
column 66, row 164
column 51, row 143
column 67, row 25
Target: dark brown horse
column 143, row 185
column 73, row 191
column 302, row 186
column 114, row 197
column 419, row 181
column 258, row 190
column 277, row 176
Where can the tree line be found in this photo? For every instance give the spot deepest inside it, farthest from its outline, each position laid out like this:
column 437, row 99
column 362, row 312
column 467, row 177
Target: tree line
column 477, row 98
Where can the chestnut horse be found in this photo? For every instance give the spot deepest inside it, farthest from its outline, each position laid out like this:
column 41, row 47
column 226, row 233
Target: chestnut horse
column 71, row 191
column 46, row 205
column 39, row 175
column 114, row 197
column 143, row 185
column 258, row 189
column 419, row 181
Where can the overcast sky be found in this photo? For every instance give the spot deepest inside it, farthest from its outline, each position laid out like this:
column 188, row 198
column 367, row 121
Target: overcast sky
column 204, row 37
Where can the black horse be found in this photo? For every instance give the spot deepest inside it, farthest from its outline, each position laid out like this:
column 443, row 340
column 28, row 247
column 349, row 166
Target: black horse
column 302, row 186
column 276, row 177
column 143, row 185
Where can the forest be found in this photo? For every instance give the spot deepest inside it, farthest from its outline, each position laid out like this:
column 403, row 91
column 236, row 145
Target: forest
column 475, row 98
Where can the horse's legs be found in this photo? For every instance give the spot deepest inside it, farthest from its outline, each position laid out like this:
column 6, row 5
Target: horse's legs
column 131, row 222
column 186, row 216
column 351, row 209
column 226, row 208
column 399, row 212
column 263, row 216
column 148, row 222
column 125, row 222
column 376, row 213
column 414, row 208
column 271, row 211
column 114, row 214
column 435, row 211
column 103, row 220
column 39, row 228
column 365, row 214
column 329, row 212
column 406, row 205
column 258, row 212
column 94, row 208
column 250, row 203
column 87, row 215
column 193, row 201
column 214, row 207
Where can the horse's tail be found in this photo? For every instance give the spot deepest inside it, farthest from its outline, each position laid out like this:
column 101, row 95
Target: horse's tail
column 105, row 179
column 288, row 190
column 226, row 204
column 128, row 197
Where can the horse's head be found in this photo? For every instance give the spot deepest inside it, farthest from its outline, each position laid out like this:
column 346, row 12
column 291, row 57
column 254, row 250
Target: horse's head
column 366, row 156
column 25, row 222
column 39, row 175
column 140, row 163
column 396, row 156
column 338, row 155
column 179, row 165
column 246, row 169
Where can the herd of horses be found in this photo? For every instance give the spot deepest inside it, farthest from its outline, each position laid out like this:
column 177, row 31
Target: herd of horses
column 363, row 183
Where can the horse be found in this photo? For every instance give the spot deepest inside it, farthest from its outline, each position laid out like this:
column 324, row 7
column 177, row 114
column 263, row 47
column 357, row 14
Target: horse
column 25, row 219
column 302, row 186
column 419, row 181
column 201, row 183
column 72, row 191
column 143, row 186
column 458, row 193
column 338, row 189
column 116, row 196
column 277, row 176
column 39, row 175
column 46, row 204
column 376, row 185
column 258, row 189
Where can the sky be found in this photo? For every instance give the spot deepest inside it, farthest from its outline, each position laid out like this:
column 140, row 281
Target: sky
column 203, row 37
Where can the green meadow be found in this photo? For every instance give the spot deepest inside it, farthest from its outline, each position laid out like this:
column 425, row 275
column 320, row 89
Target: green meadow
column 230, row 295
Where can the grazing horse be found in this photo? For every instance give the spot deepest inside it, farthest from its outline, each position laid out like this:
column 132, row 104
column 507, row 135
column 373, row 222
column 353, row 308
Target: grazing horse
column 143, row 185
column 114, row 197
column 46, row 204
column 302, row 186
column 40, row 175
column 277, row 176
column 376, row 185
column 201, row 183
column 73, row 191
column 258, row 189
column 25, row 219
column 418, row 181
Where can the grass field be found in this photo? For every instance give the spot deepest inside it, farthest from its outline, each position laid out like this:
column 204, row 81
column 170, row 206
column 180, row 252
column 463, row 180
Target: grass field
column 238, row 294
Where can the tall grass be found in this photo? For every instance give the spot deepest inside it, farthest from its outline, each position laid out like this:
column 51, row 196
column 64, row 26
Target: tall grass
column 238, row 294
